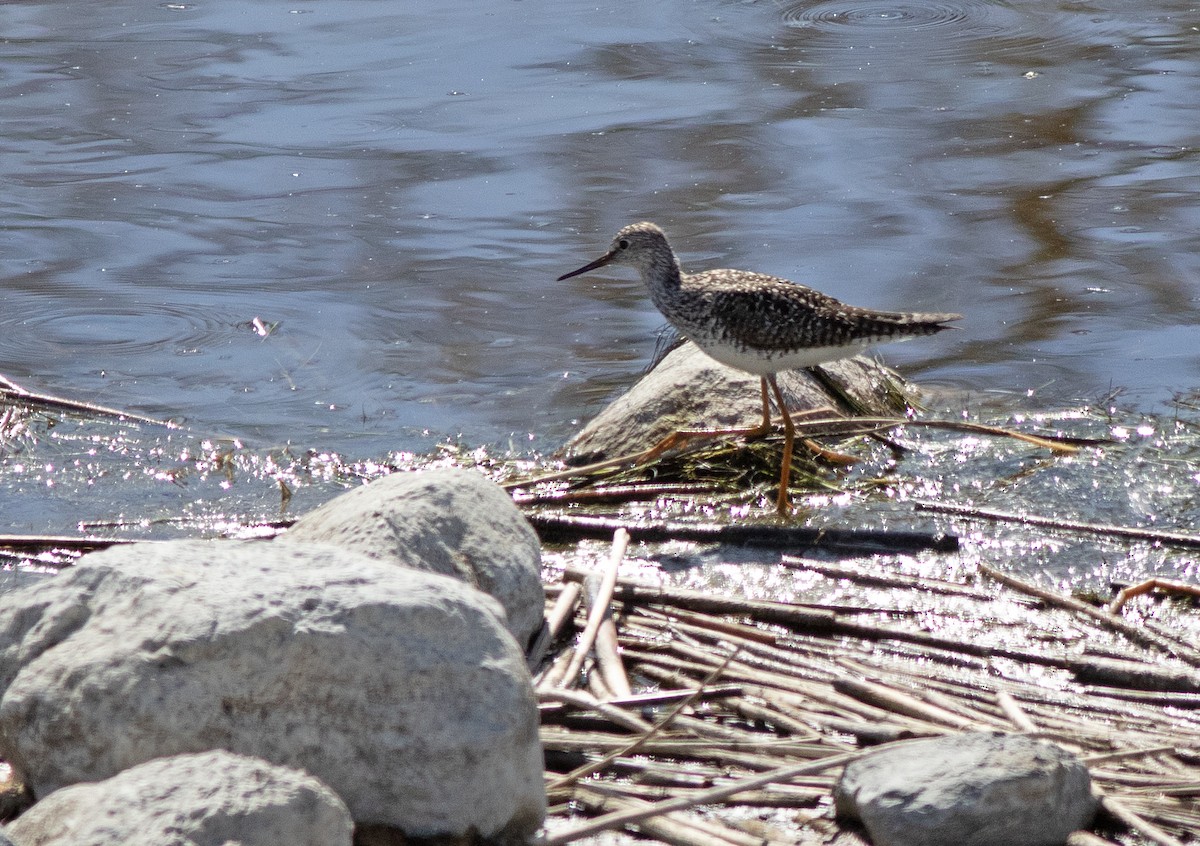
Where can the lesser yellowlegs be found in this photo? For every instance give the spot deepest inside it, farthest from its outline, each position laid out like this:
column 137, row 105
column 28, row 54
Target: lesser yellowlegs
column 757, row 323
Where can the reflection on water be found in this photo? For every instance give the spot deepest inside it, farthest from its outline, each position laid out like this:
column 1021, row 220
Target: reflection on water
column 396, row 187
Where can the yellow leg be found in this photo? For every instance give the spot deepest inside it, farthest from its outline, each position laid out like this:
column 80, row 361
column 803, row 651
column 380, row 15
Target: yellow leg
column 766, row 424
column 789, row 437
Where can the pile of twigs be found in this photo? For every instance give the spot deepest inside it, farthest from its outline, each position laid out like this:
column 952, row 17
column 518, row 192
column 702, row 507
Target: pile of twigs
column 669, row 700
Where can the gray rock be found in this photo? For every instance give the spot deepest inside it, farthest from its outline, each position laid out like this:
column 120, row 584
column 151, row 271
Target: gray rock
column 209, row 799
column 453, row 522
column 401, row 690
column 689, row 390
column 973, row 789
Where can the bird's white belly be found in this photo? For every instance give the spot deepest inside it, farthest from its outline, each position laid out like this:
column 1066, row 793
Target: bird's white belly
column 765, row 362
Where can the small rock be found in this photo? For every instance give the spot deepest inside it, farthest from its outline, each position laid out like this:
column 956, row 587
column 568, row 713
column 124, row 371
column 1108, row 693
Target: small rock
column 689, row 390
column 453, row 522
column 973, row 789
column 209, row 799
column 401, row 690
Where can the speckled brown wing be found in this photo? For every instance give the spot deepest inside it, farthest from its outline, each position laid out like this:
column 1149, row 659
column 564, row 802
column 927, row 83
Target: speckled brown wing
column 768, row 313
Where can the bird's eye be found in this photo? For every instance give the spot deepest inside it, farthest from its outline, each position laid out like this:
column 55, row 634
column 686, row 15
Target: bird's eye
column 623, row 243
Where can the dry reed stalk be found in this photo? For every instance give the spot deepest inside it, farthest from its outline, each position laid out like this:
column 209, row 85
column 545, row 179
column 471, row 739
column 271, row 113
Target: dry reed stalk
column 1172, row 646
column 670, row 697
column 569, row 740
column 704, row 797
column 643, row 776
column 600, row 606
column 1179, row 539
column 677, row 828
column 915, row 684
column 584, row 702
column 781, row 691
column 724, row 627
column 657, row 728
column 608, row 656
column 877, row 579
column 929, row 706
column 1083, row 838
column 898, row 703
column 1013, row 711
column 1138, row 780
column 1125, row 755
column 777, row 718
column 553, row 675
column 564, row 608
column 1120, row 811
column 12, row 392
column 595, row 682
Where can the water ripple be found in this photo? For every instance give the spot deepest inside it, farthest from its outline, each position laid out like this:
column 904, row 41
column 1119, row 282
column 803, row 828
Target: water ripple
column 113, row 331
column 971, row 29
column 890, row 14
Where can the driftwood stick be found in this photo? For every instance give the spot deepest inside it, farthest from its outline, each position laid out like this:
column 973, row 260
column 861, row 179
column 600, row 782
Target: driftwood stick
column 14, row 393
column 704, row 797
column 600, row 607
column 564, row 527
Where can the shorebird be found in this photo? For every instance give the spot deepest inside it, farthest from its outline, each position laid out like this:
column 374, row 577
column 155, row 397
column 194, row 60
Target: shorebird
column 757, row 323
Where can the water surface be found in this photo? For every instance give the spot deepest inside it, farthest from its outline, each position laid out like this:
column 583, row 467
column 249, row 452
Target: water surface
column 336, row 225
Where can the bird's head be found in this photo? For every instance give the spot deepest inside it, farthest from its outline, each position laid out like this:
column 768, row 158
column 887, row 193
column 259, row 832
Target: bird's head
column 640, row 245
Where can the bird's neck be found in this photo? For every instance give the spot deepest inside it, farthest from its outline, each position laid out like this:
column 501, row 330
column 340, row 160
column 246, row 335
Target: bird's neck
column 662, row 274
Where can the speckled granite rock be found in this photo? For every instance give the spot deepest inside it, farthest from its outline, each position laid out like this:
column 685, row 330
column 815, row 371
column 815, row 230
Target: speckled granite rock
column 453, row 522
column 209, row 799
column 972, row 789
column 402, row 690
column 687, row 390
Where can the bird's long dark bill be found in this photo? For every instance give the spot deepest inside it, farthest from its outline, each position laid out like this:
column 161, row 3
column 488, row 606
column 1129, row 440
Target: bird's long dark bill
column 600, row 262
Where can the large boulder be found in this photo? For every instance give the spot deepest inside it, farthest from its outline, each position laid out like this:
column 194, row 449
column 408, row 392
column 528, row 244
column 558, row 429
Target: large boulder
column 208, row 799
column 401, row 690
column 689, row 390
column 453, row 522
column 970, row 789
